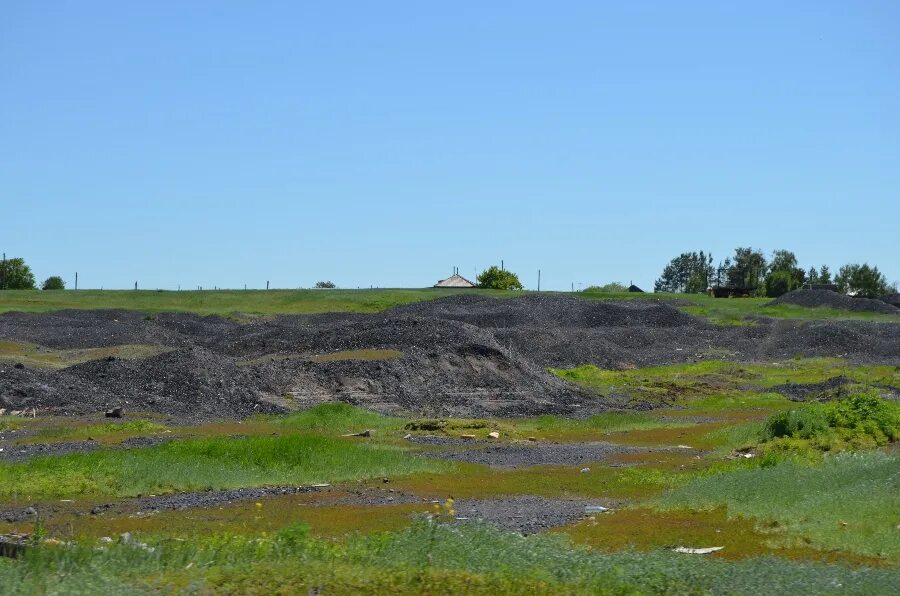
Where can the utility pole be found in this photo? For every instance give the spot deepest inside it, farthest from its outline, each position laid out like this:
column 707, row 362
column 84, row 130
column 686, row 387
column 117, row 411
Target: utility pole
column 135, row 285
column 267, row 285
column 3, row 273
column 76, row 280
column 502, row 268
column 539, row 280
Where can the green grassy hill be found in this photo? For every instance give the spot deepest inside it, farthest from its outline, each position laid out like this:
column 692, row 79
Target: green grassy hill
column 262, row 302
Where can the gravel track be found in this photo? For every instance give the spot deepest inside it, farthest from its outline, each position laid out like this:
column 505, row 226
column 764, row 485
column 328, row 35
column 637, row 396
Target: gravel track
column 537, row 454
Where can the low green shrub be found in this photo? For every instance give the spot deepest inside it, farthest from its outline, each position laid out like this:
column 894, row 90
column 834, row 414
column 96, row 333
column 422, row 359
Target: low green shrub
column 804, row 423
column 860, row 421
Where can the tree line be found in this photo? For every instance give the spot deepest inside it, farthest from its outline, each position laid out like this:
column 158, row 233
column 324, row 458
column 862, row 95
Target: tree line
column 15, row 274
column 749, row 270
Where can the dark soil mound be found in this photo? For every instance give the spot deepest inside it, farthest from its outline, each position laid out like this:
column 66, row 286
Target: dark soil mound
column 892, row 299
column 829, row 299
column 465, row 355
column 191, row 382
column 548, row 311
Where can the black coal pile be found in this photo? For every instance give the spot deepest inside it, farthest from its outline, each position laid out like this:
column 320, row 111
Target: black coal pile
column 459, row 356
column 892, row 299
column 548, row 311
column 192, row 382
column 70, row 329
column 829, row 299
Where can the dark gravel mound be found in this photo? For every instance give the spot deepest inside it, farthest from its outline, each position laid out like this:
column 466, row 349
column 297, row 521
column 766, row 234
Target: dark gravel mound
column 892, row 299
column 68, row 329
column 829, row 299
column 459, row 356
column 191, row 382
column 547, row 311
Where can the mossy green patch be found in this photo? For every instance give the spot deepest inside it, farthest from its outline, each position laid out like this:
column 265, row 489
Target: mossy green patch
column 720, row 380
column 37, row 356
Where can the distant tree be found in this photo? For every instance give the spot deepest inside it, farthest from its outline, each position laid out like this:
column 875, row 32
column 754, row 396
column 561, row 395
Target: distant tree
column 812, row 276
column 721, row 275
column 607, row 288
column 748, row 269
column 778, row 283
column 862, row 280
column 689, row 272
column 15, row 275
column 495, row 278
column 53, row 282
column 824, row 275
column 325, row 285
column 783, row 268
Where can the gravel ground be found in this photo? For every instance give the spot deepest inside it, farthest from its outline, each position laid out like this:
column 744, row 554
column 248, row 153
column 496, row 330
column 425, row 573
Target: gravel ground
column 520, row 455
column 11, row 452
column 829, row 299
column 525, row 513
column 17, row 453
column 463, row 356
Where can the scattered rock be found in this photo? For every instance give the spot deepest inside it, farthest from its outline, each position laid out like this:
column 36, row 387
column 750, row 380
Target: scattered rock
column 365, row 433
column 697, row 551
column 114, row 413
column 494, row 435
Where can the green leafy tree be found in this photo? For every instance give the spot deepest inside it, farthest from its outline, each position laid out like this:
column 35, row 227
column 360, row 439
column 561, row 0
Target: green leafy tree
column 54, row 282
column 16, row 275
column 778, row 283
column 689, row 272
column 325, row 285
column 495, row 278
column 784, row 268
column 812, row 276
column 748, row 268
column 862, row 280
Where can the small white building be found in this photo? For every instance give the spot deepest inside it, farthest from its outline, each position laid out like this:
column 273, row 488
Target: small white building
column 454, row 281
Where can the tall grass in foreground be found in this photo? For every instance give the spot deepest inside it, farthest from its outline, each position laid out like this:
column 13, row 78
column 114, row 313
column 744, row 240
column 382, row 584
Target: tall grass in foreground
column 849, row 502
column 425, row 558
column 215, row 463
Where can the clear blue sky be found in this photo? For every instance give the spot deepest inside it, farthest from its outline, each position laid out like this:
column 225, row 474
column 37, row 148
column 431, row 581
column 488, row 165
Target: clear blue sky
column 382, row 143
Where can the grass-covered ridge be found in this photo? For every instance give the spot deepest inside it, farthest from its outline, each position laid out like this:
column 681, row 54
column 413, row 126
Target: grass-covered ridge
column 263, row 302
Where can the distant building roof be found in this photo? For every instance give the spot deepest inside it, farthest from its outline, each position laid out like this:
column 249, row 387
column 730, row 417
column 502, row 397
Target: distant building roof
column 454, row 281
column 634, row 288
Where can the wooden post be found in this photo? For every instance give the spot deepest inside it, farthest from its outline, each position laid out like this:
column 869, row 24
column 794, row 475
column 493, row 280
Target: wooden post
column 76, row 280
